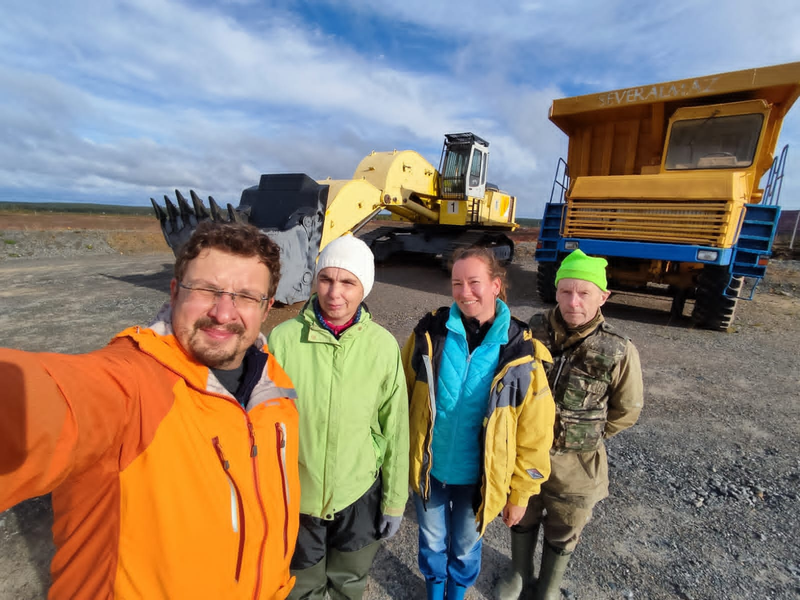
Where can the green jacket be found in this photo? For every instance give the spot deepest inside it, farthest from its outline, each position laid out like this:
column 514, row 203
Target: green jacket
column 518, row 424
column 353, row 405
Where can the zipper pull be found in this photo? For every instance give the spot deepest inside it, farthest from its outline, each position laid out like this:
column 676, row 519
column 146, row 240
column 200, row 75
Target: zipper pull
column 253, row 446
column 218, row 447
column 281, row 435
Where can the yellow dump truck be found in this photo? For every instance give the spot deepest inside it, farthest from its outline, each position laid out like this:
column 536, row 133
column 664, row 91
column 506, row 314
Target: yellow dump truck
column 675, row 184
column 449, row 208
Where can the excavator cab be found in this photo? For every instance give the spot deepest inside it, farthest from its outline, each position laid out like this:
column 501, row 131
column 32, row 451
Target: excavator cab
column 462, row 166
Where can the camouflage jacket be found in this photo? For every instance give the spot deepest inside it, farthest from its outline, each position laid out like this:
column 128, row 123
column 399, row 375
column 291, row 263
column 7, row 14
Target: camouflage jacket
column 596, row 379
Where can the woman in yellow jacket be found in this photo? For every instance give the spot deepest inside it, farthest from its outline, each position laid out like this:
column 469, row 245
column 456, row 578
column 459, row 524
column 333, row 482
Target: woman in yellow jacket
column 481, row 422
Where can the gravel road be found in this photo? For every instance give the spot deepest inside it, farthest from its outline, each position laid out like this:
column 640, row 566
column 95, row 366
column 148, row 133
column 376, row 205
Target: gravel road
column 704, row 490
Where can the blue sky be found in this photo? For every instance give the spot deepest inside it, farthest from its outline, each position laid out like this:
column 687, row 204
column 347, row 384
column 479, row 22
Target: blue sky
column 117, row 101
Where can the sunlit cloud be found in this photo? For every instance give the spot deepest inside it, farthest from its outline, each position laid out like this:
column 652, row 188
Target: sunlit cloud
column 120, row 101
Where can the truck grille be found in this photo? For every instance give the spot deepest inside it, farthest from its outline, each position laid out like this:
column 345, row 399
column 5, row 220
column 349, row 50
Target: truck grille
column 705, row 223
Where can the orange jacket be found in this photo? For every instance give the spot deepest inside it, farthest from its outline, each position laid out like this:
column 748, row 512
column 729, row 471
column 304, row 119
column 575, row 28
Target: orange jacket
column 163, row 485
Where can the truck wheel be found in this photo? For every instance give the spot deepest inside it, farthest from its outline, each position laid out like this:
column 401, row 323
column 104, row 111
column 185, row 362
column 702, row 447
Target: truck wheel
column 546, row 282
column 713, row 309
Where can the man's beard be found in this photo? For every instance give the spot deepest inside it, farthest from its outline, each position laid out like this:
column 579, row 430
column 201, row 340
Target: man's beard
column 209, row 354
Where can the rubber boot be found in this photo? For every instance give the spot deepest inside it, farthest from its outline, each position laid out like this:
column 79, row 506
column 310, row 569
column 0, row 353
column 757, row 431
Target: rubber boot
column 513, row 583
column 435, row 589
column 554, row 565
column 347, row 572
column 455, row 591
column 310, row 583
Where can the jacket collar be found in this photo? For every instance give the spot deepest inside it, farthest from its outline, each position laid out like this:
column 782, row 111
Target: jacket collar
column 308, row 315
column 498, row 332
column 158, row 340
column 566, row 336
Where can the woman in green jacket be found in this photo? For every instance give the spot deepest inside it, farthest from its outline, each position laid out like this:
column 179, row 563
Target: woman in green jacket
column 353, row 409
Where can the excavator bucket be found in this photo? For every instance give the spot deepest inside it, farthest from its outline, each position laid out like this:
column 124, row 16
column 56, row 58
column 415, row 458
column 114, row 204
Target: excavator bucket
column 289, row 209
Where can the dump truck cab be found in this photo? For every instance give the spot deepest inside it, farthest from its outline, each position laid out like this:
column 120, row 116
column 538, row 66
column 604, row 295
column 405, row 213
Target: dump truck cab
column 666, row 182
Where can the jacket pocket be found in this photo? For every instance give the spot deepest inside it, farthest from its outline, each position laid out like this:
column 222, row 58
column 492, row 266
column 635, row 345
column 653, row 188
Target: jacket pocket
column 580, row 431
column 583, row 392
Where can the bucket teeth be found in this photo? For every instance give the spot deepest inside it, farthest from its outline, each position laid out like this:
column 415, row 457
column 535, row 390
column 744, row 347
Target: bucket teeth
column 216, row 211
column 175, row 222
column 234, row 216
column 199, row 207
column 187, row 214
column 179, row 218
column 160, row 214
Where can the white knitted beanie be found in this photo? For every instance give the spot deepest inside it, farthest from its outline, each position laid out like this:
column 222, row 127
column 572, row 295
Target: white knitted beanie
column 351, row 254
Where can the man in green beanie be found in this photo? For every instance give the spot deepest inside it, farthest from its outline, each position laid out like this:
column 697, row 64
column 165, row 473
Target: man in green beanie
column 596, row 380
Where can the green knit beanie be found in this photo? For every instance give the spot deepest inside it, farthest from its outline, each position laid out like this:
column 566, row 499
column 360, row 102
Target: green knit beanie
column 580, row 266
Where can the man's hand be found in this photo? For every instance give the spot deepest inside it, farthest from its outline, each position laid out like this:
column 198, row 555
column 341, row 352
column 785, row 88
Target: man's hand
column 389, row 526
column 512, row 514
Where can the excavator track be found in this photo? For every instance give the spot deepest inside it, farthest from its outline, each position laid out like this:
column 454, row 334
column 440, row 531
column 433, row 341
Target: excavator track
column 383, row 241
column 499, row 243
column 465, row 240
column 388, row 240
column 373, row 236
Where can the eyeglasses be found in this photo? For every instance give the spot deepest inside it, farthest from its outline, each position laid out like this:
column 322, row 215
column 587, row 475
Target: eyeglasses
column 212, row 296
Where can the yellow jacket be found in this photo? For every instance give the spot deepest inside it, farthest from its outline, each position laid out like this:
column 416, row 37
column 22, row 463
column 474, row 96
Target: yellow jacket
column 518, row 426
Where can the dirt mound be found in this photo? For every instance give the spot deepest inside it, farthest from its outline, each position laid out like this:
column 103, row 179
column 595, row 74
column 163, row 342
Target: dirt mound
column 48, row 221
column 33, row 235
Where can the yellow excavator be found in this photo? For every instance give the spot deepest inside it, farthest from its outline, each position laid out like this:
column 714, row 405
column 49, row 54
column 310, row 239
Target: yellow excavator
column 449, row 208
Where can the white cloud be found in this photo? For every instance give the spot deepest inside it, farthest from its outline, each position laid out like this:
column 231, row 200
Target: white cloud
column 130, row 99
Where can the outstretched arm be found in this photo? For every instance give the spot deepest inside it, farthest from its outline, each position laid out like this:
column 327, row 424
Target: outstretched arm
column 58, row 414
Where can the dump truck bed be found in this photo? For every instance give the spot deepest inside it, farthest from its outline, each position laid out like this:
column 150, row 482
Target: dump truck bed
column 776, row 84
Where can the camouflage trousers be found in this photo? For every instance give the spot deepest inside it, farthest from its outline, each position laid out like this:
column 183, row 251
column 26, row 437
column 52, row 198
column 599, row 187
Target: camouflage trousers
column 563, row 521
column 578, row 481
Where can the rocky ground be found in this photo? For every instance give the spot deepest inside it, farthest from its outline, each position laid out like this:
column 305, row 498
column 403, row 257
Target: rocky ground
column 705, row 496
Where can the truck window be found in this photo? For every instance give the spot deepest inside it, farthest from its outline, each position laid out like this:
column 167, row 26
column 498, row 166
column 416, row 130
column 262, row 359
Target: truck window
column 714, row 142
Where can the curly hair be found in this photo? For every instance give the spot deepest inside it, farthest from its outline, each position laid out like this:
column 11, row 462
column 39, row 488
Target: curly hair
column 240, row 239
column 489, row 259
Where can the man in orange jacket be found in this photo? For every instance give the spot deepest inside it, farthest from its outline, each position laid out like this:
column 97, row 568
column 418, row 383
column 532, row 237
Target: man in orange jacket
column 171, row 453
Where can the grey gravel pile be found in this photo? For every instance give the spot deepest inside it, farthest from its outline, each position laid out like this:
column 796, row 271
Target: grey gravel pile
column 53, row 244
